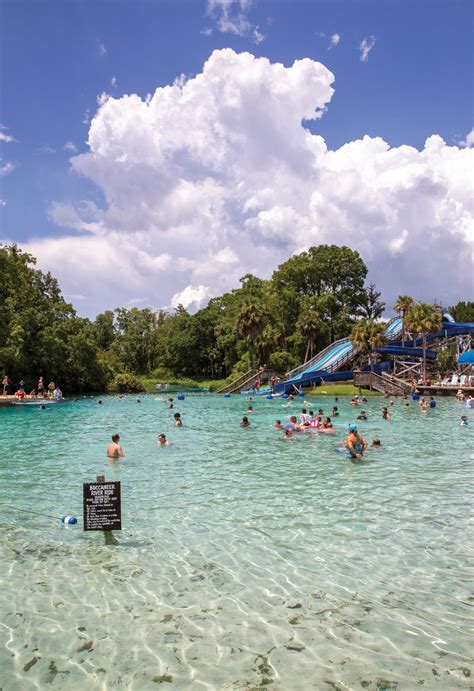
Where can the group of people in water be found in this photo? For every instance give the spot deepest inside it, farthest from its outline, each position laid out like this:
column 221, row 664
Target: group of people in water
column 354, row 445
column 41, row 391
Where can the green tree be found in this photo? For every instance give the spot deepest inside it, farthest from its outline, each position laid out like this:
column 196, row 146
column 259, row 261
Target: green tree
column 423, row 319
column 402, row 305
column 371, row 306
column 462, row 311
column 251, row 322
column 368, row 335
column 310, row 326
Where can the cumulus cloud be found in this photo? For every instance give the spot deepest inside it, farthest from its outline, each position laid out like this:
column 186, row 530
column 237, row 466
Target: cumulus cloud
column 231, row 17
column 469, row 139
column 70, row 146
column 216, row 176
column 334, row 41
column 365, row 46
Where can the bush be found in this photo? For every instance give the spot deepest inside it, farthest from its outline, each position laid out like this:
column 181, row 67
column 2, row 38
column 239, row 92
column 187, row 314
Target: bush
column 282, row 361
column 125, row 382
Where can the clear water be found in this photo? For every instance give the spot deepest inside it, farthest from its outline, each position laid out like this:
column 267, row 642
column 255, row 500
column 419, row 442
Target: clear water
column 244, row 561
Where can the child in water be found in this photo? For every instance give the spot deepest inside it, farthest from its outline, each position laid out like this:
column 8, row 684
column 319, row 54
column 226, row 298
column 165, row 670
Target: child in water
column 177, row 420
column 385, row 414
column 464, row 422
column 245, row 422
column 278, row 425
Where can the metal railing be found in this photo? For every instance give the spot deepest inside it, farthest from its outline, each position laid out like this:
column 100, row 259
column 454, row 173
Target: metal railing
column 379, row 383
column 237, row 382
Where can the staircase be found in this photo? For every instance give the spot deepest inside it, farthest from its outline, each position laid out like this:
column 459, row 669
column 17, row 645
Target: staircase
column 384, row 383
column 247, row 380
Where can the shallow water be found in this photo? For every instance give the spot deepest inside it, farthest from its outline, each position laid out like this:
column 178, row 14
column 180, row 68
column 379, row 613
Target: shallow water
column 244, row 561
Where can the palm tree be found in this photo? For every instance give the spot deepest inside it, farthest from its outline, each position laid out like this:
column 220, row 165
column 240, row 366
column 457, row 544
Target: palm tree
column 251, row 322
column 368, row 335
column 402, row 305
column 310, row 325
column 423, row 319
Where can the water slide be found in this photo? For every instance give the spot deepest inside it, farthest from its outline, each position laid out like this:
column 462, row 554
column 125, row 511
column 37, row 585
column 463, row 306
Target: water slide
column 330, row 359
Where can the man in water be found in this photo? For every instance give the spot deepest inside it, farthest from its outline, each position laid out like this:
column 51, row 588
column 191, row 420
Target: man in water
column 114, row 450
column 163, row 441
column 356, row 445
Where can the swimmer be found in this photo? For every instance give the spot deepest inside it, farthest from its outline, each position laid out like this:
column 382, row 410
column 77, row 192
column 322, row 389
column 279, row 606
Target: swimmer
column 138, row 400
column 163, row 441
column 326, row 427
column 355, row 444
column 392, row 403
column 278, row 425
column 177, row 420
column 287, row 435
column 114, row 450
column 335, row 411
column 376, row 444
column 364, row 399
column 432, row 402
column 362, row 416
column 460, row 395
column 291, row 397
column 385, row 414
column 423, row 405
column 464, row 421
column 99, row 402
column 304, row 417
column 293, row 424
column 250, row 409
column 245, row 422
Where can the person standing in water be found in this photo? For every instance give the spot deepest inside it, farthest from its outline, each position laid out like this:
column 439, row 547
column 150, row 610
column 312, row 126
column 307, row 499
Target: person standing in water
column 356, row 445
column 114, row 450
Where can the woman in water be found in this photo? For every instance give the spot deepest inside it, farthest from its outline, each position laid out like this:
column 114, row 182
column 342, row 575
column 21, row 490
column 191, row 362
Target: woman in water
column 177, row 420
column 355, row 444
column 385, row 414
column 245, row 422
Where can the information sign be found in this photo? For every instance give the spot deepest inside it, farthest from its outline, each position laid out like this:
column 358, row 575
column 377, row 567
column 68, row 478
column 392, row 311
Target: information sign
column 102, row 509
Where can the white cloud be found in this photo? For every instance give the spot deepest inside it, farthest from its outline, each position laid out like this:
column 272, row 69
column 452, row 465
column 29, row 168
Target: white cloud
column 215, row 176
column 102, row 98
column 3, row 202
column 70, row 146
column 231, row 17
column 469, row 140
column 365, row 46
column 102, row 50
column 113, row 82
column 4, row 137
column 192, row 297
column 334, row 41
column 6, row 168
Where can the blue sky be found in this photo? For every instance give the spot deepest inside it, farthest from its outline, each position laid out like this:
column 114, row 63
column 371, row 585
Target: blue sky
column 57, row 57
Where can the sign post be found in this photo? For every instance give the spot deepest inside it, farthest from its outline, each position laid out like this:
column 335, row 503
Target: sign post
column 102, row 507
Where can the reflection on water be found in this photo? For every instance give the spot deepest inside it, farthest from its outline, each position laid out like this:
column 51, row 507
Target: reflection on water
column 244, row 562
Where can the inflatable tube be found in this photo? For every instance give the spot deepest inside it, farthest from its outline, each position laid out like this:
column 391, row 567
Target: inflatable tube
column 269, row 396
column 227, row 395
column 68, row 520
column 181, row 397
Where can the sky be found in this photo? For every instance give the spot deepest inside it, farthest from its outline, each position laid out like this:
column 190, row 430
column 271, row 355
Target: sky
column 152, row 153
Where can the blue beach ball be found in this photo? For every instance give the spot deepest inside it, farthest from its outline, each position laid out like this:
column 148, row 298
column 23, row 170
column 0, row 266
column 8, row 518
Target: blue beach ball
column 270, row 397
column 227, row 395
column 181, row 397
column 68, row 520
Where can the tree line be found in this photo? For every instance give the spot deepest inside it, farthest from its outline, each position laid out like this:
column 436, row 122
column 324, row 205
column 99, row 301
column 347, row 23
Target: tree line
column 310, row 300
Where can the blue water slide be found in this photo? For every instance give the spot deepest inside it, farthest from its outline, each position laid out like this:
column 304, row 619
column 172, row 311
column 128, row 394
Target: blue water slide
column 341, row 352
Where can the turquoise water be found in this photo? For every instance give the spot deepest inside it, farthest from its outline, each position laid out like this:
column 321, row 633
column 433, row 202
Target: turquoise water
column 244, row 561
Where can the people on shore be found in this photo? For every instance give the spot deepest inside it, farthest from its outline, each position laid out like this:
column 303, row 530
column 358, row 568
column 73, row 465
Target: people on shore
column 114, row 450
column 5, row 384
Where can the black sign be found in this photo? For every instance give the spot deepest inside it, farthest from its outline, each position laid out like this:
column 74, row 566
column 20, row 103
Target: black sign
column 102, row 510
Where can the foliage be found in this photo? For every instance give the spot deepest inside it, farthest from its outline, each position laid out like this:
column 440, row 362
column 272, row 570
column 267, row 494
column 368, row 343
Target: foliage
column 368, row 335
column 445, row 360
column 462, row 311
column 126, row 382
column 423, row 319
column 310, row 300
